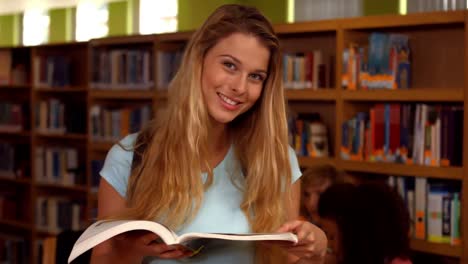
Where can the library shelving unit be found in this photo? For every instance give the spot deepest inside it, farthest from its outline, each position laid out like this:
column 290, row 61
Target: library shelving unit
column 437, row 42
column 109, row 85
column 59, row 135
column 120, row 81
column 16, row 187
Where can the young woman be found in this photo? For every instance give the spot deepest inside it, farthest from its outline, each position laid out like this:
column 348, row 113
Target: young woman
column 218, row 159
column 366, row 224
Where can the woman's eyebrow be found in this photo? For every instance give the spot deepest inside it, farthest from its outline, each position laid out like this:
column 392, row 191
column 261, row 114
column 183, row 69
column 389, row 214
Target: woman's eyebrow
column 240, row 63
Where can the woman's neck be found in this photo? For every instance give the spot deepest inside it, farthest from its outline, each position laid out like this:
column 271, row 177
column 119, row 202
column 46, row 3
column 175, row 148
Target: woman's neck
column 219, row 137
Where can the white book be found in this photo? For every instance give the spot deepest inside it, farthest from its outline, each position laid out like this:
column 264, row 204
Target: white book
column 104, row 230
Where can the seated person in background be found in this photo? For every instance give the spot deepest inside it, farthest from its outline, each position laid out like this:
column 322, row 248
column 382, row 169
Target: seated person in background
column 366, row 224
column 315, row 181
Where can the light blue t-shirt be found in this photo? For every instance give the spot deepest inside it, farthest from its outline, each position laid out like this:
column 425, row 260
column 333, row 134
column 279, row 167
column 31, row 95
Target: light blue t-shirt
column 219, row 212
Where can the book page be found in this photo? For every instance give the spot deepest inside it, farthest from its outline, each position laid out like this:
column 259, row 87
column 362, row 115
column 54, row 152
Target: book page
column 104, row 230
column 285, row 237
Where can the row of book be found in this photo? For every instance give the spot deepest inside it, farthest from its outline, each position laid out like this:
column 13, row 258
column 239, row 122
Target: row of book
column 56, row 214
column 434, row 207
column 57, row 116
column 304, row 70
column 52, row 71
column 111, row 124
column 122, row 69
column 308, row 135
column 14, row 67
column 167, row 65
column 405, row 133
column 11, row 117
column 14, row 160
column 13, row 250
column 58, row 166
column 7, row 160
column 382, row 64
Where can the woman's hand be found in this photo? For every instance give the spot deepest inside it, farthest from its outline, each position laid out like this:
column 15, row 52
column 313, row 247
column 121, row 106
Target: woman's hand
column 312, row 242
column 132, row 247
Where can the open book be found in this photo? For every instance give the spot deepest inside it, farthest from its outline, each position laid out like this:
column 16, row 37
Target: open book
column 104, row 230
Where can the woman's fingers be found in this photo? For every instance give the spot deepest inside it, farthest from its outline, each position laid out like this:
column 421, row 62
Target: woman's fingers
column 175, row 253
column 150, row 244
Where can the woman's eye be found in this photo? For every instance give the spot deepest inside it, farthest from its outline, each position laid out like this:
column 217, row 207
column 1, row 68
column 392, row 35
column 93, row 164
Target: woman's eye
column 229, row 65
column 257, row 77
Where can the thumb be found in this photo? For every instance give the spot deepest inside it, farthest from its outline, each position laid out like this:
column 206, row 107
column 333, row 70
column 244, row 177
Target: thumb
column 290, row 226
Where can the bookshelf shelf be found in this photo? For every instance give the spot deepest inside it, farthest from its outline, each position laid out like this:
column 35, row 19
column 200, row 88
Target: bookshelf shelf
column 69, row 89
column 62, row 136
column 436, row 248
column 15, row 224
column 177, row 36
column 452, row 173
column 310, row 94
column 123, row 40
column 306, row 162
column 73, row 188
column 24, row 87
column 101, row 146
column 306, row 27
column 122, row 94
column 10, row 180
column 15, row 133
column 411, row 95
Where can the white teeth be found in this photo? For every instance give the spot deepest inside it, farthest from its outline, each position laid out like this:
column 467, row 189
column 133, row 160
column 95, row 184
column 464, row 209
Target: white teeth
column 227, row 100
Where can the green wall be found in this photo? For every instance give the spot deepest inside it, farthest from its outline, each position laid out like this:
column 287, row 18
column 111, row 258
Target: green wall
column 120, row 22
column 61, row 24
column 10, row 29
column 380, row 7
column 192, row 13
column 123, row 21
column 275, row 10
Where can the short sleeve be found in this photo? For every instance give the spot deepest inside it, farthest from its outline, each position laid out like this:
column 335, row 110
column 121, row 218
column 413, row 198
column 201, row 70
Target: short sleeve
column 295, row 169
column 117, row 166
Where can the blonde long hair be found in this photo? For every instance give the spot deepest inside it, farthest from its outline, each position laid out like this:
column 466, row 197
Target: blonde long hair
column 166, row 184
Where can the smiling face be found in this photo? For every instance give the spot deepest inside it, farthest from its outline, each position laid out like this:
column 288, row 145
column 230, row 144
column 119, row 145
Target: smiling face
column 234, row 71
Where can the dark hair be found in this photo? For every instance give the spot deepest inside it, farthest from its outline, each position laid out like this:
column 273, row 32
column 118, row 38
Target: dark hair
column 372, row 220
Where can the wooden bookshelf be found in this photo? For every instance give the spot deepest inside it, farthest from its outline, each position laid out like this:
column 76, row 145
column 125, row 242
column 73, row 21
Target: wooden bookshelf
column 71, row 136
column 438, row 78
column 310, row 94
column 62, row 187
column 436, row 248
column 21, row 181
column 122, row 94
column 21, row 87
column 68, row 89
column 15, row 133
column 101, row 146
column 16, row 224
column 306, row 162
column 410, row 95
column 450, row 173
